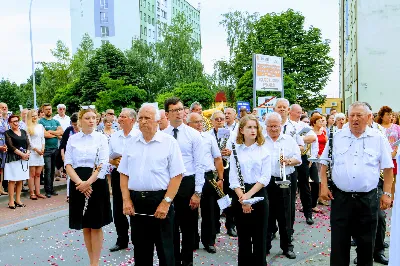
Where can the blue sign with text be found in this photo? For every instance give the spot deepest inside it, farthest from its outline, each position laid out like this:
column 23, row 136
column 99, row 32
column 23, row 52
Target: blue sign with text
column 241, row 104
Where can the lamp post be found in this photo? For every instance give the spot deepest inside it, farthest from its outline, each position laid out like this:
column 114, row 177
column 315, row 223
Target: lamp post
column 33, row 62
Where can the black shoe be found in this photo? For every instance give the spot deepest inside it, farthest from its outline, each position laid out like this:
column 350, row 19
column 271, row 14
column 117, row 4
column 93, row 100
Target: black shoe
column 381, row 259
column 232, row 232
column 117, row 247
column 355, row 260
column 386, row 245
column 54, row 193
column 353, row 243
column 210, row 249
column 290, row 254
column 48, row 195
column 309, row 221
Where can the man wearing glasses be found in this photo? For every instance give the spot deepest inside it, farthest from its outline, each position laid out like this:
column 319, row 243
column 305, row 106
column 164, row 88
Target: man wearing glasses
column 61, row 117
column 110, row 114
column 53, row 131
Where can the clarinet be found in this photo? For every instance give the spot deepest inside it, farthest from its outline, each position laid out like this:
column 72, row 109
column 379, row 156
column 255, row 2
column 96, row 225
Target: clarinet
column 87, row 198
column 240, row 176
column 329, row 168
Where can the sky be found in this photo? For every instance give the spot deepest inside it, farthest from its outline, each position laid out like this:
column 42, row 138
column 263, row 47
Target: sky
column 51, row 22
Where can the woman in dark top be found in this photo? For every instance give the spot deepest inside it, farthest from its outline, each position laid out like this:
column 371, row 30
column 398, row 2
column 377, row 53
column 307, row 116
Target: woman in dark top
column 16, row 169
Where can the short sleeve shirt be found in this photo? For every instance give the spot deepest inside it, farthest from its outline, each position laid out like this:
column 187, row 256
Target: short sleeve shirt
column 51, row 124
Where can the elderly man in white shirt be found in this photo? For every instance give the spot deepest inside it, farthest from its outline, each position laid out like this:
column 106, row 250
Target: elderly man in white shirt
column 151, row 172
column 61, row 117
column 188, row 197
column 210, row 211
column 358, row 155
column 280, row 198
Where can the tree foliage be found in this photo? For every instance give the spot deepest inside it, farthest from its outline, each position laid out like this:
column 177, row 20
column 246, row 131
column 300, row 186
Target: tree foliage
column 9, row 93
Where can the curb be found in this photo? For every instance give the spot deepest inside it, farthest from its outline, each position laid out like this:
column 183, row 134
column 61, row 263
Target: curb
column 59, row 187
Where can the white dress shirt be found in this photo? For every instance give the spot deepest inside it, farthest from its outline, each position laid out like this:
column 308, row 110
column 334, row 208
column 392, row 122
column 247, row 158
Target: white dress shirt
column 64, row 121
column 290, row 129
column 118, row 140
column 255, row 165
column 290, row 150
column 151, row 166
column 190, row 142
column 357, row 161
column 232, row 127
column 211, row 151
column 82, row 149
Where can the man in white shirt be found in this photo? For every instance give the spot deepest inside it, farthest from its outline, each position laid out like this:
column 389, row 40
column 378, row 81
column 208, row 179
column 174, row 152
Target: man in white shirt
column 151, row 172
column 22, row 123
column 282, row 108
column 164, row 123
column 358, row 154
column 118, row 142
column 61, row 117
column 209, row 207
column 280, row 198
column 187, row 200
column 110, row 113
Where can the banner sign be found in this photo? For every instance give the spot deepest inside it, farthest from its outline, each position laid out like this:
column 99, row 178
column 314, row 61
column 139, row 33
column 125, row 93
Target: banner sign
column 268, row 73
column 241, row 104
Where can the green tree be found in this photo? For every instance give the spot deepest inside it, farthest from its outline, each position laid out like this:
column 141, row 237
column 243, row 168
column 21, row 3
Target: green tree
column 194, row 92
column 26, row 89
column 9, row 93
column 82, row 56
column 161, row 97
column 118, row 95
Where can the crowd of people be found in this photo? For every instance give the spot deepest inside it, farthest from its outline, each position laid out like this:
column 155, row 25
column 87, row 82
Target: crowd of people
column 161, row 166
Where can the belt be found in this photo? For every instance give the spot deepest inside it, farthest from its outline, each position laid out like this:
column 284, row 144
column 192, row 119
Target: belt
column 354, row 194
column 144, row 194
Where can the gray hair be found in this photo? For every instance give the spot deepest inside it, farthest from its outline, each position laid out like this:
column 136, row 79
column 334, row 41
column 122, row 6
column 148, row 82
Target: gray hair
column 362, row 104
column 161, row 111
column 270, row 116
column 193, row 105
column 281, row 100
column 157, row 112
column 61, row 105
column 130, row 111
column 215, row 113
column 295, row 105
column 189, row 117
column 339, row 115
column 233, row 109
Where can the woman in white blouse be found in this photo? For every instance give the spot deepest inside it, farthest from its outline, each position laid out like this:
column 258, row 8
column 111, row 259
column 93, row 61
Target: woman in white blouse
column 86, row 159
column 36, row 161
column 248, row 177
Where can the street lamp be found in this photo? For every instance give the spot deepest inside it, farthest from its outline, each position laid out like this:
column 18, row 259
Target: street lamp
column 33, row 62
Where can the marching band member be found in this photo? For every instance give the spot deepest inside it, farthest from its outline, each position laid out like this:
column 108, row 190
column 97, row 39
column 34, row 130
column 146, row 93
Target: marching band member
column 187, row 200
column 118, row 141
column 280, row 198
column 151, row 171
column 210, row 211
column 282, row 107
column 250, row 173
column 358, row 154
column 89, row 199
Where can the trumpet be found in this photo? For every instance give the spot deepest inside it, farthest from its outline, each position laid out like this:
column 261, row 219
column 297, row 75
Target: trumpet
column 213, row 183
column 307, row 151
column 282, row 172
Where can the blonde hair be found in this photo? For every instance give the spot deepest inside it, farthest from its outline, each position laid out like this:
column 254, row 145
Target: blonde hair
column 30, row 125
column 82, row 113
column 240, row 137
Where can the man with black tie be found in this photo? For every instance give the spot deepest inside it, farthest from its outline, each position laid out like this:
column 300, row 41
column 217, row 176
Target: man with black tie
column 187, row 200
column 151, row 172
column 117, row 145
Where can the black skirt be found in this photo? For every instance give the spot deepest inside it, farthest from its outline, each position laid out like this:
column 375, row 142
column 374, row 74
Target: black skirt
column 98, row 212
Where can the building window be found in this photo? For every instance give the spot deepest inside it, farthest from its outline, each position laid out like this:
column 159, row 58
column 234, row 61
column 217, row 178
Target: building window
column 152, row 20
column 105, row 31
column 149, row 6
column 104, row 17
column 149, row 19
column 145, row 17
column 141, row 15
column 141, row 29
column 145, row 31
column 158, row 16
column 153, row 8
column 154, row 34
column 104, row 42
column 164, row 14
column 104, row 4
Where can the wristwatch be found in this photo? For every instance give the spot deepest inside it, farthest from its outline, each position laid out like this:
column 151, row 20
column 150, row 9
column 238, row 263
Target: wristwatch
column 168, row 199
column 387, row 194
column 198, row 194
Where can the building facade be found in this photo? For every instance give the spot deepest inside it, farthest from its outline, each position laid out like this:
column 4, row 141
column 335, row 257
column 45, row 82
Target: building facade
column 369, row 37
column 121, row 21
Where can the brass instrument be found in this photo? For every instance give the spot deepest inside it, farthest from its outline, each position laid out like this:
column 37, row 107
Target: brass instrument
column 213, row 183
column 381, row 176
column 282, row 171
column 307, row 151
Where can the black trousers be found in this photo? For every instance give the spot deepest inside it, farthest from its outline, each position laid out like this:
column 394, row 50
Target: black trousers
column 209, row 212
column 279, row 210
column 148, row 231
column 353, row 215
column 314, row 175
column 252, row 230
column 293, row 187
column 120, row 220
column 185, row 220
column 229, row 213
column 303, row 185
column 49, row 170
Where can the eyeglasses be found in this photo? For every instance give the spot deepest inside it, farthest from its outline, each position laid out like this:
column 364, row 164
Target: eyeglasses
column 219, row 119
column 197, row 122
column 176, row 110
column 85, row 107
column 273, row 127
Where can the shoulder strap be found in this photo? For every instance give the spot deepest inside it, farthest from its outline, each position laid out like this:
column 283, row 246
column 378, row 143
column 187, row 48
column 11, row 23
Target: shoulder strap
column 241, row 181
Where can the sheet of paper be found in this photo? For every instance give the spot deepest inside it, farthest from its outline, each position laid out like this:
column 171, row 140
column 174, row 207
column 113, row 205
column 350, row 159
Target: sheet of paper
column 313, row 160
column 223, row 133
column 253, row 200
column 115, row 155
column 224, row 202
column 305, row 130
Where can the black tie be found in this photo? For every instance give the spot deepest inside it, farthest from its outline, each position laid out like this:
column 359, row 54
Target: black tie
column 175, row 133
